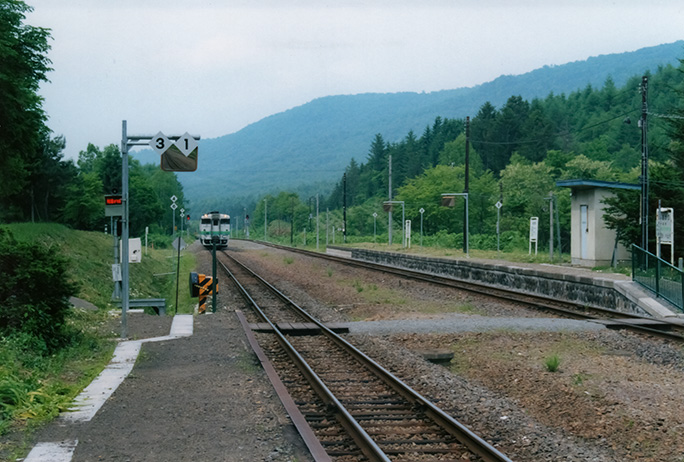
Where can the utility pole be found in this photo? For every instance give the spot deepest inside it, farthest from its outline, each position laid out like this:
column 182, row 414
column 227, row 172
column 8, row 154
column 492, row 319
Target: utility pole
column 465, row 189
column 292, row 222
column 317, row 222
column 644, row 163
column 551, row 226
column 344, row 208
column 390, row 198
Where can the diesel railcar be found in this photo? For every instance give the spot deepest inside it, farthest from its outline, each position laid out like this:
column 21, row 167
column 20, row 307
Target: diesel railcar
column 215, row 224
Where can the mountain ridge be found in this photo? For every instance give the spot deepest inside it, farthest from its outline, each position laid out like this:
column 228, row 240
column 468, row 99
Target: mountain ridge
column 314, row 142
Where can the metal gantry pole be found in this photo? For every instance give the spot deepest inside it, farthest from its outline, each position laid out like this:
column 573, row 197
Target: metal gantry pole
column 124, row 231
column 390, row 199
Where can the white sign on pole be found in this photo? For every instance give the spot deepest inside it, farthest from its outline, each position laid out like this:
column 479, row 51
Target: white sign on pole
column 534, row 232
column 174, row 198
column 534, row 228
column 116, row 272
column 665, row 230
column 665, row 225
column 174, row 206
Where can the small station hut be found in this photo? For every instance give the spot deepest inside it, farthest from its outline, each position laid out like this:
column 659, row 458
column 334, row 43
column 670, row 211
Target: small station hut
column 591, row 242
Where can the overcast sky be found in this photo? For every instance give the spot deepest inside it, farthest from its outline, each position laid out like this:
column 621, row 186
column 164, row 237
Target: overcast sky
column 213, row 67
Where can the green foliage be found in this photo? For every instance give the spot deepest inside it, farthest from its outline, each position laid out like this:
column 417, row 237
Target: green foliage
column 33, row 176
column 34, row 290
column 552, row 363
column 84, row 206
column 35, row 385
column 149, row 191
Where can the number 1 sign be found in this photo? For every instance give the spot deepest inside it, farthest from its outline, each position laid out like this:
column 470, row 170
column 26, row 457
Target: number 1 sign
column 180, row 156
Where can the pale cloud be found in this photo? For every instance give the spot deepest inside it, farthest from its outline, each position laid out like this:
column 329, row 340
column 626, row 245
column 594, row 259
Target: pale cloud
column 212, row 67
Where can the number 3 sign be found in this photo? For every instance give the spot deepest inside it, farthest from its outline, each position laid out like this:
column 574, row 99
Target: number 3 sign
column 180, row 156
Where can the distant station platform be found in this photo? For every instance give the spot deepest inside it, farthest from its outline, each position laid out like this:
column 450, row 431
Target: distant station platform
column 571, row 283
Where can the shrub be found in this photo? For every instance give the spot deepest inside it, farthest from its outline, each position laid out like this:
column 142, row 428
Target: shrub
column 552, row 363
column 34, row 290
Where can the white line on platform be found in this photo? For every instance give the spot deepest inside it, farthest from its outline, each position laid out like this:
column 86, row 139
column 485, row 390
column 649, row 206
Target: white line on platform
column 91, row 399
column 52, row 452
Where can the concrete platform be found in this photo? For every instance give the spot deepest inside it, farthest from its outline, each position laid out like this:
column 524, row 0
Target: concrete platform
column 574, row 284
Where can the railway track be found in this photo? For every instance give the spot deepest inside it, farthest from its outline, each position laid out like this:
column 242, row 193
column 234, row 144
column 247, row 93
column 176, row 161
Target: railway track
column 612, row 318
column 357, row 410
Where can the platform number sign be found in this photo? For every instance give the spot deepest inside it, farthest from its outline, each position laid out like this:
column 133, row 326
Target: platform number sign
column 180, row 156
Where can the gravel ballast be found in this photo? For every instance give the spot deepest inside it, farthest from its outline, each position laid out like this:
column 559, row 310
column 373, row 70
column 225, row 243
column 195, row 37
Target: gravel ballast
column 614, row 397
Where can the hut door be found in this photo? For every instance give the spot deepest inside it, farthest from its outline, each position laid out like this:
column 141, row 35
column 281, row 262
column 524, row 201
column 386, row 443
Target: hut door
column 584, row 231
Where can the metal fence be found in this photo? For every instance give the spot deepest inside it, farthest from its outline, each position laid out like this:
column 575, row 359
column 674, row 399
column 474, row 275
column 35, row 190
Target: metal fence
column 656, row 274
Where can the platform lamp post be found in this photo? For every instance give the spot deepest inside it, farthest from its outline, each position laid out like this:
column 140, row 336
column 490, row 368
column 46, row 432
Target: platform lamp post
column 375, row 222
column 449, row 200
column 422, row 211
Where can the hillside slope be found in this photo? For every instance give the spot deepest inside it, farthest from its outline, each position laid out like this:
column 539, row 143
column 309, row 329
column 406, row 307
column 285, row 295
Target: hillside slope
column 315, row 141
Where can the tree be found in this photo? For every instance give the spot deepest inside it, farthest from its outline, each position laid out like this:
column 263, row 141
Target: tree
column 84, row 207
column 510, row 129
column 426, row 191
column 23, row 51
column 49, row 180
column 482, row 134
column 525, row 186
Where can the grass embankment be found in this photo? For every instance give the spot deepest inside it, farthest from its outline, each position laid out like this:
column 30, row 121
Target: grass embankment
column 36, row 385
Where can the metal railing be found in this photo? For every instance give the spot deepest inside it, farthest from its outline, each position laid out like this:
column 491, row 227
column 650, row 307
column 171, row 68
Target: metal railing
column 656, row 274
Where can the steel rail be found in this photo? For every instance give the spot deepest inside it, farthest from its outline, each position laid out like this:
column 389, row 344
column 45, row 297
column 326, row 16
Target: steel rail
column 566, row 308
column 462, row 433
column 365, row 442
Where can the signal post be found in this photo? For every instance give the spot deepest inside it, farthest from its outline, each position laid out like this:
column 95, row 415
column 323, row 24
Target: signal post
column 178, row 156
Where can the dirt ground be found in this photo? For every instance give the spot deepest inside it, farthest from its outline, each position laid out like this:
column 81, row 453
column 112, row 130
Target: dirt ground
column 618, row 390
column 614, row 396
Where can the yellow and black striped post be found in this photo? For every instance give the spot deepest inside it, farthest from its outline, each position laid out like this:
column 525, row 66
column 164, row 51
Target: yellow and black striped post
column 201, row 286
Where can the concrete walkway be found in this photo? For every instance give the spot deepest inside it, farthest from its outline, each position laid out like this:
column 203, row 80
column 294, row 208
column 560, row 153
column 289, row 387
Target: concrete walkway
column 91, row 399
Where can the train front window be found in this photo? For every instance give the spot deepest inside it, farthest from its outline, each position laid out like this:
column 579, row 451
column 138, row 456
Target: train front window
column 225, row 221
column 206, row 221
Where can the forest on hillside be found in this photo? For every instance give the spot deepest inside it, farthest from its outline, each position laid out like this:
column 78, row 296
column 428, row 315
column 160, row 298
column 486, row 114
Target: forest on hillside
column 516, row 154
column 36, row 182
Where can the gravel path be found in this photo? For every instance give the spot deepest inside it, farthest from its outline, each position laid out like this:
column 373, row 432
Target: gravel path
column 453, row 323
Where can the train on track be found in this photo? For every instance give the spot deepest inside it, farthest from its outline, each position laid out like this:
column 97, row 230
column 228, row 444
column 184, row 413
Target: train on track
column 214, row 225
